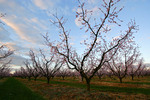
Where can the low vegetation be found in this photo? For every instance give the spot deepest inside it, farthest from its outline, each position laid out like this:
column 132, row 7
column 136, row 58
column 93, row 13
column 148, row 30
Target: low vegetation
column 76, row 90
column 12, row 89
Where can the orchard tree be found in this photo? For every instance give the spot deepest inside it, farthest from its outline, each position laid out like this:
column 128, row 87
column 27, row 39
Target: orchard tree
column 75, row 74
column 110, row 74
column 123, row 60
column 5, row 52
column 35, row 63
column 97, row 44
column 35, row 72
column 136, row 69
column 63, row 72
column 20, row 73
column 28, row 69
column 48, row 64
column 5, row 70
column 101, row 72
column 141, row 70
column 4, row 60
column 17, row 73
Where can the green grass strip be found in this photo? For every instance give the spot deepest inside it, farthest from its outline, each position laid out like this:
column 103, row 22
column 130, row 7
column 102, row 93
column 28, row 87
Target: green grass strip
column 12, row 89
column 140, row 83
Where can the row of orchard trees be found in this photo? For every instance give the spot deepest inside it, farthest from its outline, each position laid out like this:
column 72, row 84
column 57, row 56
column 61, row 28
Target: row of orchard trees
column 119, row 54
column 42, row 66
column 121, row 72
column 5, row 61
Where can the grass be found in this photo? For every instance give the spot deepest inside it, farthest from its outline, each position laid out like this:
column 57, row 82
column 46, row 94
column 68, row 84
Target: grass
column 127, row 80
column 2, row 81
column 141, row 83
column 64, row 92
column 136, row 81
column 104, row 88
column 12, row 89
column 59, row 89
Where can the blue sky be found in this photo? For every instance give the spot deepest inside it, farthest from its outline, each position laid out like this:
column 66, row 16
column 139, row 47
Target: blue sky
column 26, row 20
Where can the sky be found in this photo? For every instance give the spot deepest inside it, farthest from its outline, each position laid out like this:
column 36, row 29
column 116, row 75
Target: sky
column 27, row 20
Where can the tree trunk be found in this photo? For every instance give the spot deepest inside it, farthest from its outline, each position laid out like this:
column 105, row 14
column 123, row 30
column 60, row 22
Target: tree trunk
column 29, row 78
column 35, row 78
column 48, row 79
column 52, row 77
column 120, row 80
column 82, row 78
column 88, row 84
column 132, row 77
column 63, row 78
column 99, row 77
column 138, row 76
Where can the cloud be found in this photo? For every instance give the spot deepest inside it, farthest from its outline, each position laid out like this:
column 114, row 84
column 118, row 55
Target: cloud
column 26, row 31
column 92, row 1
column 51, row 7
column 115, row 38
column 85, row 36
column 2, row 1
column 44, row 5
column 17, row 60
column 96, row 11
column 15, row 27
column 13, row 46
column 40, row 23
column 77, row 22
column 147, row 64
column 23, row 21
column 4, row 35
column 72, row 43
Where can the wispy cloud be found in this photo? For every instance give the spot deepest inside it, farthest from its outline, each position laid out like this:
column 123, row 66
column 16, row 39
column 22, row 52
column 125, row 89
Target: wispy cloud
column 92, row 1
column 4, row 37
column 15, row 27
column 23, row 22
column 23, row 28
column 17, row 60
column 44, row 5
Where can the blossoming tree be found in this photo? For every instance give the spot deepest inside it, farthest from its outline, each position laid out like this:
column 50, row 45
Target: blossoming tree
column 97, row 45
